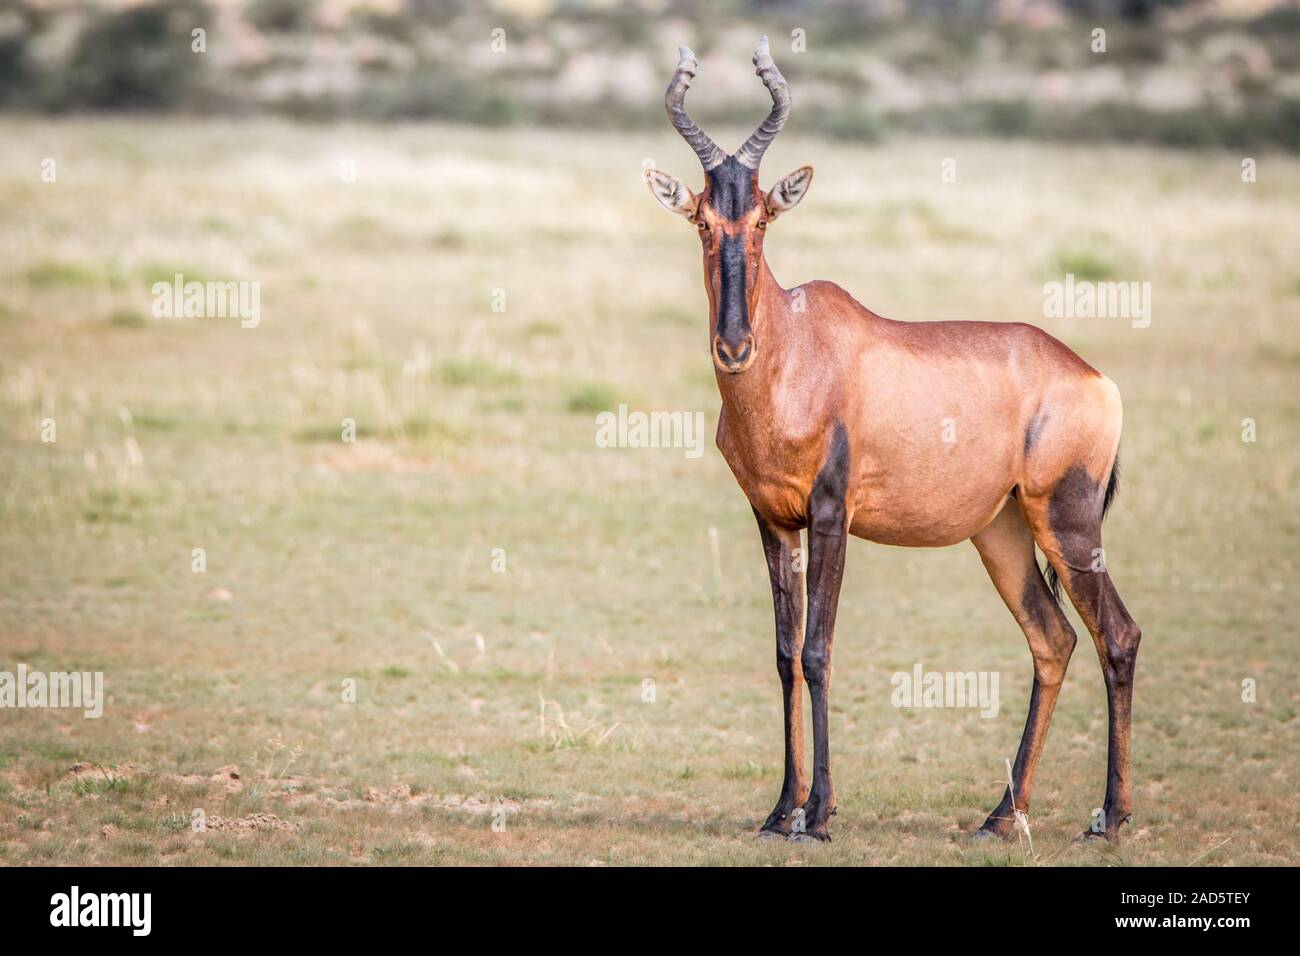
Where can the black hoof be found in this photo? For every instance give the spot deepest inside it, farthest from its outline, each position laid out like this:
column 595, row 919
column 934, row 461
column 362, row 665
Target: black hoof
column 809, row 836
column 1109, row 835
column 1088, row 837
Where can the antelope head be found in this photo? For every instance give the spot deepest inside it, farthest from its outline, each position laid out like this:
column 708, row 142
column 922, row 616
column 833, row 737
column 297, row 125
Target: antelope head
column 731, row 214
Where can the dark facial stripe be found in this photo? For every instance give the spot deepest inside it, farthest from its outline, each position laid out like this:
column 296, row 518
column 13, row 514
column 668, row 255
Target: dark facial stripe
column 731, row 189
column 733, row 310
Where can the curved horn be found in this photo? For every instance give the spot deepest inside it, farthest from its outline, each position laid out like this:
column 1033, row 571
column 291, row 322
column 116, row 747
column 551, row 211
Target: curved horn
column 751, row 154
column 708, row 151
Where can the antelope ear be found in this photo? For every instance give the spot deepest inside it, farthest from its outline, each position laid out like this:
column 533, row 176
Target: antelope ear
column 670, row 192
column 788, row 191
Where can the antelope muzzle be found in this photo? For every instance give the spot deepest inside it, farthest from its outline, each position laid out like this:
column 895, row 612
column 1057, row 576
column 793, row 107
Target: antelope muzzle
column 733, row 359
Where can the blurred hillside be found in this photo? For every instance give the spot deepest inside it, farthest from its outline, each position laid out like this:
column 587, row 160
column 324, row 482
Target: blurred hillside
column 1178, row 72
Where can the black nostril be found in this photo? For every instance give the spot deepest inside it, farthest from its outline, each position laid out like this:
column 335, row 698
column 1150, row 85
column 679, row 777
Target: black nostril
column 734, row 358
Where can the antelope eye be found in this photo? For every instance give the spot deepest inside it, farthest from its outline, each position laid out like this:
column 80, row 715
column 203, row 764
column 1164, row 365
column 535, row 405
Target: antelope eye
column 762, row 224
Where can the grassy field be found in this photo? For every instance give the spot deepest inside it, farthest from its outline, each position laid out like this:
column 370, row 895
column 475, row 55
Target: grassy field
column 472, row 300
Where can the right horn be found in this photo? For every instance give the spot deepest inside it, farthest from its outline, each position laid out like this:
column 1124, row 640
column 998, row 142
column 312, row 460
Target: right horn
column 711, row 155
column 751, row 154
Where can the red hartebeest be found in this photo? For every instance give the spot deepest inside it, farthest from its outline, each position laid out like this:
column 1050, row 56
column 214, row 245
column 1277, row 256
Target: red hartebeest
column 832, row 420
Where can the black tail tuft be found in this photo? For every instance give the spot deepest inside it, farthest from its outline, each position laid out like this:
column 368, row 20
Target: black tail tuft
column 1053, row 581
column 1112, row 489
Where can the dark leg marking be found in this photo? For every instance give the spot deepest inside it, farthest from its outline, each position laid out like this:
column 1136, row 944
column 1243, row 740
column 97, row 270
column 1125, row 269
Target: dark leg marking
column 788, row 603
column 1006, row 547
column 827, row 539
column 1074, row 517
column 1043, row 613
column 1051, row 641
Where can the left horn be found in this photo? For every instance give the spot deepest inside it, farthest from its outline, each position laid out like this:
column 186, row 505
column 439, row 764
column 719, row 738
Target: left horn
column 709, row 152
column 751, row 154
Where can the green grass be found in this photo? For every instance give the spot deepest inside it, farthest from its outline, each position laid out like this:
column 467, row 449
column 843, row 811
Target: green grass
column 165, row 272
column 593, row 397
column 477, row 372
column 100, row 785
column 351, row 604
column 49, row 274
column 127, row 319
column 1085, row 264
